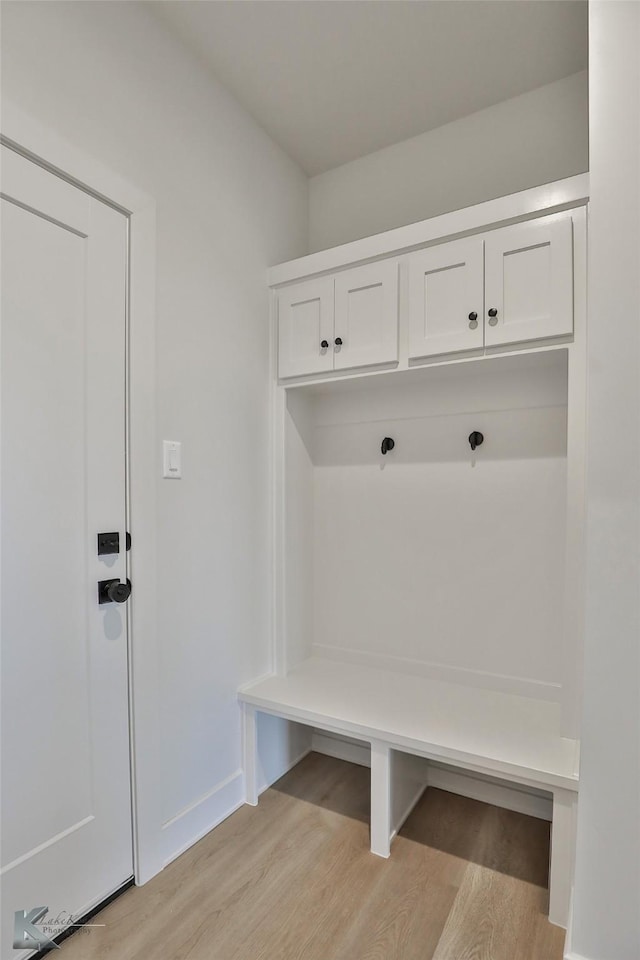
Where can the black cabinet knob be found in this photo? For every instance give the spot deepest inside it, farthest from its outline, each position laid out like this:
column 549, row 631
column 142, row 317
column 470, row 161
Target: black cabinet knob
column 324, row 344
column 493, row 312
column 473, row 320
column 387, row 444
column 338, row 341
column 475, row 439
column 473, row 315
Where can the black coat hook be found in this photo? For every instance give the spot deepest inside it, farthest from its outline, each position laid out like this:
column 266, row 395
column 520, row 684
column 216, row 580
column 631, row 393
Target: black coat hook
column 387, row 444
column 475, row 439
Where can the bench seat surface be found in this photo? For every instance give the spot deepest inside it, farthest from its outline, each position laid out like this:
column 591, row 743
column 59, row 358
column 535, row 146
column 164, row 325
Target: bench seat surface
column 500, row 733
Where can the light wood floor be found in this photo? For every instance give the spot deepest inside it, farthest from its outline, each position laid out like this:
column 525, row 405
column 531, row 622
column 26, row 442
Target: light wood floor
column 293, row 879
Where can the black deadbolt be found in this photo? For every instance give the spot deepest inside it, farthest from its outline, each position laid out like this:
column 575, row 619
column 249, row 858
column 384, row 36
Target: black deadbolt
column 475, row 439
column 110, row 543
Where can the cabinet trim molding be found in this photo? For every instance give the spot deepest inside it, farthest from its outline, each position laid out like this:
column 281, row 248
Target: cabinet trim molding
column 514, row 208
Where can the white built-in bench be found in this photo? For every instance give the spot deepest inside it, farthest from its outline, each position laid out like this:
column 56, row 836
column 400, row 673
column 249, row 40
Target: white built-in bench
column 501, row 735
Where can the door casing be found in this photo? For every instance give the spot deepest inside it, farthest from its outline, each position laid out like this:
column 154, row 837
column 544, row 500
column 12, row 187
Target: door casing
column 35, row 141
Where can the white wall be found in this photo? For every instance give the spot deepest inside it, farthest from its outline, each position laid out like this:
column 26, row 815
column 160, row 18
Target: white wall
column 108, row 77
column 606, row 916
column 520, row 143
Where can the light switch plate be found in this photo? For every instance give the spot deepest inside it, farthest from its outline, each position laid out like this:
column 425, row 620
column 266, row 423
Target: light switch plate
column 171, row 459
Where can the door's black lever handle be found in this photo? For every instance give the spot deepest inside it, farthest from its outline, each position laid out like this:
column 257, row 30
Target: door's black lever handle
column 113, row 591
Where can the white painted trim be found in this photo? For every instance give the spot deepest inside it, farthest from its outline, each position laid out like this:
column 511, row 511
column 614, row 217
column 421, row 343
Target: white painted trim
column 448, row 360
column 293, row 763
column 278, row 402
column 568, row 939
column 203, row 799
column 342, row 749
column 486, row 789
column 250, row 754
column 202, row 833
column 380, row 799
column 43, row 144
column 521, row 686
column 198, row 819
column 561, row 865
column 535, row 202
column 575, row 566
column 250, row 683
column 408, row 810
column 47, row 843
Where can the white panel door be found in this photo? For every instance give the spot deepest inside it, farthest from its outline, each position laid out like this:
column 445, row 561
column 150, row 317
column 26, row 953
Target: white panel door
column 66, row 803
column 366, row 315
column 529, row 282
column 446, row 299
column 305, row 328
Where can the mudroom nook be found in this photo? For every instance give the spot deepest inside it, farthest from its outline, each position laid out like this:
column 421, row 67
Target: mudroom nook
column 429, row 413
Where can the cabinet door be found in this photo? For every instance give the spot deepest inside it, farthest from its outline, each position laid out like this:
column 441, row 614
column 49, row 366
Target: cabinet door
column 445, row 299
column 529, row 282
column 305, row 321
column 366, row 317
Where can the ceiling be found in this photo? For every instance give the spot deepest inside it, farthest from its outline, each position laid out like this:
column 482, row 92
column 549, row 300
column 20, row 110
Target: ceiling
column 333, row 80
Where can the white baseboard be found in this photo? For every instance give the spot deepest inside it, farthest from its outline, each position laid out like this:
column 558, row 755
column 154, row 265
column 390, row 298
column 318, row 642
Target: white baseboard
column 281, row 744
column 568, row 942
column 193, row 822
column 290, row 765
column 526, row 800
column 342, row 748
column 521, row 686
column 569, row 953
column 491, row 790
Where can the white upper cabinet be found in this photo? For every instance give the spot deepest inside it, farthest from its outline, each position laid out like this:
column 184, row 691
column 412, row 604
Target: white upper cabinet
column 529, row 282
column 305, row 328
column 446, row 299
column 334, row 323
column 509, row 286
column 366, row 315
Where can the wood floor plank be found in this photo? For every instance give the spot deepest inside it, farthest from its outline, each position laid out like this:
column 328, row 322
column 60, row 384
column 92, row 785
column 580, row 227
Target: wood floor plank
column 293, row 879
column 498, row 917
column 406, row 913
